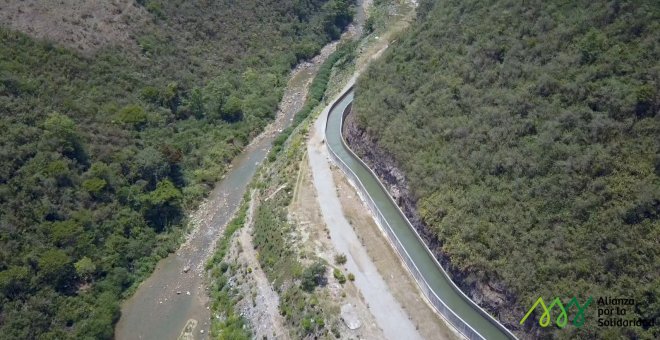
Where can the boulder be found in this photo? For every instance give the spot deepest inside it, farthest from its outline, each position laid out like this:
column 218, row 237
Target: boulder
column 350, row 317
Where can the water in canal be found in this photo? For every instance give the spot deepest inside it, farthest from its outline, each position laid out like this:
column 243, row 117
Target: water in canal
column 424, row 261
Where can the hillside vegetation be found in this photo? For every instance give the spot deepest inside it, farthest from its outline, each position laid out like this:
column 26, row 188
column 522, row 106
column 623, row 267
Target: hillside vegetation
column 529, row 136
column 102, row 154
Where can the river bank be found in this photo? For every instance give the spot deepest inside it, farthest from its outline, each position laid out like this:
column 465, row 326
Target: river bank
column 174, row 298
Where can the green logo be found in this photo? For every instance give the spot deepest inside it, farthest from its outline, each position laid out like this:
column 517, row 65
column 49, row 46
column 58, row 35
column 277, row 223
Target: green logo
column 562, row 319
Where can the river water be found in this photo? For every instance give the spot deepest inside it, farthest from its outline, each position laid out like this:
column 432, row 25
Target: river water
column 175, row 295
column 174, row 302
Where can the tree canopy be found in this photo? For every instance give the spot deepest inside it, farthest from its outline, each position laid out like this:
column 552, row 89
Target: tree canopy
column 102, row 154
column 528, row 132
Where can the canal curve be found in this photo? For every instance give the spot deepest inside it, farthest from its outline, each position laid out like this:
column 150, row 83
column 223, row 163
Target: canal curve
column 468, row 318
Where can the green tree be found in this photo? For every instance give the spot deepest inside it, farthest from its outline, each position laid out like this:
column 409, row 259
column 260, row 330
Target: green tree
column 196, row 103
column 62, row 136
column 150, row 94
column 14, row 280
column 338, row 16
column 171, row 97
column 150, row 164
column 163, row 205
column 232, row 110
column 341, row 278
column 66, row 233
column 95, row 186
column 133, row 115
column 313, row 276
column 85, row 268
column 55, row 268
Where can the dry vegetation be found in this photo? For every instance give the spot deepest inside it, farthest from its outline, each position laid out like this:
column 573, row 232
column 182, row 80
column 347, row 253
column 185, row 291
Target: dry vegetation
column 82, row 25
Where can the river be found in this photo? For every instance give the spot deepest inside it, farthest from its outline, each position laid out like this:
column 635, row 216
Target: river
column 176, row 294
column 174, row 301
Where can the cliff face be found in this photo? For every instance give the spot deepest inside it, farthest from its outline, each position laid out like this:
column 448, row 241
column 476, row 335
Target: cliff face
column 490, row 295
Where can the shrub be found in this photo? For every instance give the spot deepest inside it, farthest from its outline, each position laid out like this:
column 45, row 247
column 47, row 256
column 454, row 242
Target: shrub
column 313, row 276
column 133, row 115
column 340, row 259
column 94, row 185
column 339, row 276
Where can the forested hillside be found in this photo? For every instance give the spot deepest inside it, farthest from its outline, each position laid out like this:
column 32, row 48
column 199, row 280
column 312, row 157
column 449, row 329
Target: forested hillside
column 529, row 138
column 103, row 151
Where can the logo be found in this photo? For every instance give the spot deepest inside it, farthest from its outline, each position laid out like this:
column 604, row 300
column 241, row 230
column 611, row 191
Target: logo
column 562, row 319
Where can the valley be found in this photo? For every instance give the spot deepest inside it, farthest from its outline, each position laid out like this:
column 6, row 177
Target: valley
column 329, row 169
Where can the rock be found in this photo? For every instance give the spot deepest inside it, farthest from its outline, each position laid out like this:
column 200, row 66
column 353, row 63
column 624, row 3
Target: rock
column 186, row 269
column 350, row 317
column 178, row 292
column 187, row 292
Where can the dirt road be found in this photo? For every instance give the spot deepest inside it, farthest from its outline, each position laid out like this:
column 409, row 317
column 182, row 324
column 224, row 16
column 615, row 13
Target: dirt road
column 389, row 314
column 262, row 309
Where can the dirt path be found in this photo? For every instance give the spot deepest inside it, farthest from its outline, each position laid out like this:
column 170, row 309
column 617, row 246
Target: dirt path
column 262, row 310
column 305, row 212
column 389, row 314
